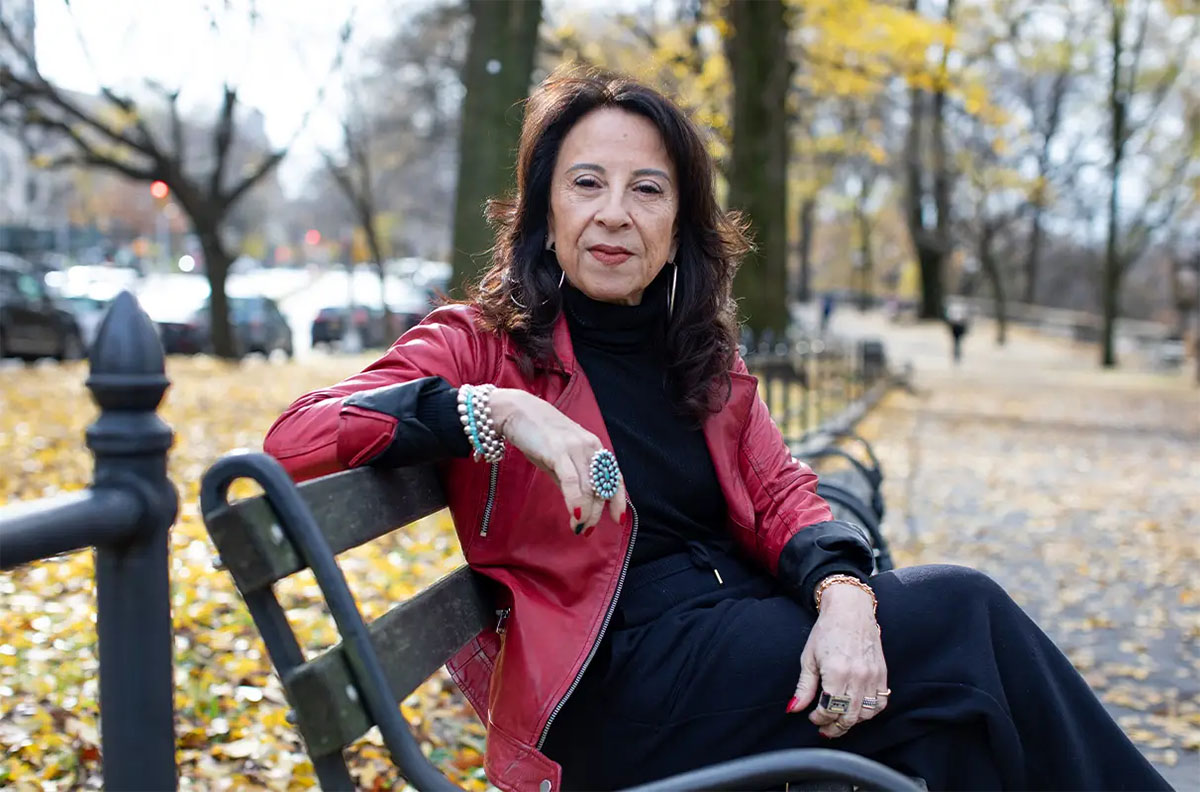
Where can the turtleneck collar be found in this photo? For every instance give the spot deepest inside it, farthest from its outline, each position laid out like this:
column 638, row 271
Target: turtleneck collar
column 618, row 328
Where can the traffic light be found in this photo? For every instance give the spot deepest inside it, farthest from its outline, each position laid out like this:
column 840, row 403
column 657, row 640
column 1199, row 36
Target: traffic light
column 159, row 189
column 312, row 237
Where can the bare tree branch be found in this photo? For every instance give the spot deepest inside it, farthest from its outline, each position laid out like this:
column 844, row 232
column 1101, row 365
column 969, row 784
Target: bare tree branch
column 222, row 138
column 270, row 162
column 93, row 160
column 252, row 178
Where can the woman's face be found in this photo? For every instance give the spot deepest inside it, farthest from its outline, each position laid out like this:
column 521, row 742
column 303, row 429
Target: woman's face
column 613, row 203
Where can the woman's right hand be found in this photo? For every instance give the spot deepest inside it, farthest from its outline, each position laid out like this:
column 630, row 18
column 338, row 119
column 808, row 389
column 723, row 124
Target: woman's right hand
column 559, row 446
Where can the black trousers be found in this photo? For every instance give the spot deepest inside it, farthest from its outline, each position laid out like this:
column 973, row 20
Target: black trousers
column 694, row 671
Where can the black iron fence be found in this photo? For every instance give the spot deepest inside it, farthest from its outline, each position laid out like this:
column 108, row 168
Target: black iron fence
column 127, row 512
column 125, row 515
column 810, row 381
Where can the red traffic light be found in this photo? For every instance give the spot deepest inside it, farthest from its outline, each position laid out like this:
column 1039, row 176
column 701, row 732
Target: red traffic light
column 312, row 237
column 159, row 189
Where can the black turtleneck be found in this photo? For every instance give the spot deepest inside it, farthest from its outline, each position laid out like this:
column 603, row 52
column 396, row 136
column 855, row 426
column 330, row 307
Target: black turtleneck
column 664, row 459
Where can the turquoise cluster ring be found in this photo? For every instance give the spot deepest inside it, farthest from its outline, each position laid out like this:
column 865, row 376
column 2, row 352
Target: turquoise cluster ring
column 604, row 476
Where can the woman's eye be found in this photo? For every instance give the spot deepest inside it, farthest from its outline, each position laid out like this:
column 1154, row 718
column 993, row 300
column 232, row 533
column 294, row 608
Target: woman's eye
column 586, row 181
column 649, row 189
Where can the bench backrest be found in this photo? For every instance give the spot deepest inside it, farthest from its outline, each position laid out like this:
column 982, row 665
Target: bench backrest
column 264, row 539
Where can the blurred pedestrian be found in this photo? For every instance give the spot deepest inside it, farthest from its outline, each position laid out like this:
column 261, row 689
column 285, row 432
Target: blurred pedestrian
column 957, row 322
column 828, row 303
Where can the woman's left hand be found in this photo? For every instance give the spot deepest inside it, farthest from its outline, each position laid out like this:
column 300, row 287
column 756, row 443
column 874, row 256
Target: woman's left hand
column 844, row 657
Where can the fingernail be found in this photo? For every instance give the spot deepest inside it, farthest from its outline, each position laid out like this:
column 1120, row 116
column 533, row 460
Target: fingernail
column 791, row 707
column 578, row 513
column 578, row 528
column 589, row 530
column 825, row 736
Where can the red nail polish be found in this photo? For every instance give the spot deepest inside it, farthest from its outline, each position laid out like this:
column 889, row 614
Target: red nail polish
column 791, row 707
column 588, row 530
column 824, row 736
column 578, row 513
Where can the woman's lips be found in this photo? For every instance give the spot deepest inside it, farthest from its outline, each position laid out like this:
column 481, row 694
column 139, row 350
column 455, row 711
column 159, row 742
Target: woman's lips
column 609, row 255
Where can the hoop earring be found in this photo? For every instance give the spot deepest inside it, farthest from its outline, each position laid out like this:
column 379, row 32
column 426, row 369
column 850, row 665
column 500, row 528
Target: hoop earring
column 523, row 307
column 671, row 294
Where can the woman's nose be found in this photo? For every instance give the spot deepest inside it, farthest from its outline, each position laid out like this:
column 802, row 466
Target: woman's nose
column 613, row 212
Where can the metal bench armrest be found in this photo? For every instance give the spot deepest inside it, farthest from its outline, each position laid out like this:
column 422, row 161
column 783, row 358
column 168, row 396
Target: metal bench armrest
column 780, row 767
column 304, row 533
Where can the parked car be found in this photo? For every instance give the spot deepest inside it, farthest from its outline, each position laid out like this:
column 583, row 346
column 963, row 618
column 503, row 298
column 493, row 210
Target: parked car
column 33, row 323
column 331, row 322
column 329, row 325
column 89, row 311
column 183, row 325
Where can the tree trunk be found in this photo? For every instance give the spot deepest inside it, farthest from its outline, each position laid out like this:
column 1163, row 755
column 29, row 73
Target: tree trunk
column 807, row 210
column 758, row 58
column 929, row 256
column 1111, row 280
column 1035, row 251
column 931, row 241
column 987, row 262
column 377, row 256
column 216, row 267
column 865, row 259
column 496, row 76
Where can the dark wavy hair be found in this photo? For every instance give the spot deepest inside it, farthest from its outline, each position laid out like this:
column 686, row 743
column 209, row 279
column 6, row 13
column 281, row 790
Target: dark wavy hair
column 519, row 295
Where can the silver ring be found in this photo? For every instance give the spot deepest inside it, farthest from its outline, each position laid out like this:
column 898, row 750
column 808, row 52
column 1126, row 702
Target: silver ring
column 604, row 475
column 870, row 702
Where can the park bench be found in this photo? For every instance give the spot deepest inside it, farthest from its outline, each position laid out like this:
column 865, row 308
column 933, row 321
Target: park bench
column 338, row 695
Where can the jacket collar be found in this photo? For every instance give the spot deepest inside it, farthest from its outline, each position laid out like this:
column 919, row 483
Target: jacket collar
column 565, row 351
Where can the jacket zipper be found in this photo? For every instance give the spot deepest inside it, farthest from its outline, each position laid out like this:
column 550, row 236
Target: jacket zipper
column 491, row 499
column 612, row 606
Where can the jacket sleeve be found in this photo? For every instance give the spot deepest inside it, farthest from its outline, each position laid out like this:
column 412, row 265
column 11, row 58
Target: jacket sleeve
column 801, row 541
column 396, row 411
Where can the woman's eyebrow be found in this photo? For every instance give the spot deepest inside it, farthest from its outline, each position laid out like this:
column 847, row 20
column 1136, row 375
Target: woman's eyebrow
column 651, row 172
column 600, row 169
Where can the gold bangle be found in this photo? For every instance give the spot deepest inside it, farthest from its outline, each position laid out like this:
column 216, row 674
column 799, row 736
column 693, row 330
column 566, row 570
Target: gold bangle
column 853, row 581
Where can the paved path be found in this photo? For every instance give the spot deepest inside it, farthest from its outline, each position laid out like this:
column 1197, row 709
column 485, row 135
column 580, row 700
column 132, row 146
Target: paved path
column 1077, row 489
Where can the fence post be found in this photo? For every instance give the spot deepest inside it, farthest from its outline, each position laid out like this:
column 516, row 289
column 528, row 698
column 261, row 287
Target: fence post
column 129, row 442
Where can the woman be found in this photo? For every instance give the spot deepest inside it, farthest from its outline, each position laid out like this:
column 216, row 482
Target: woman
column 676, row 594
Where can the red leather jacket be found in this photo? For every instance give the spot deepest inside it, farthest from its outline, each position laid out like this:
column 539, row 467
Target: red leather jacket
column 509, row 520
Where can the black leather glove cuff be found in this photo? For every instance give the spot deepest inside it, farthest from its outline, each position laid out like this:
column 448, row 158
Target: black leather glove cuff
column 820, row 550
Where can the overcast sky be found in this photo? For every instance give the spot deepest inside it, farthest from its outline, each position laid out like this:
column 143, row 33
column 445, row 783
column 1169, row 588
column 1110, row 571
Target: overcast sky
column 278, row 68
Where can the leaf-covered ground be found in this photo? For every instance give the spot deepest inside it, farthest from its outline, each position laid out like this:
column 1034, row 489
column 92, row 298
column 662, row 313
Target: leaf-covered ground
column 1075, row 489
column 230, row 711
column 1079, row 491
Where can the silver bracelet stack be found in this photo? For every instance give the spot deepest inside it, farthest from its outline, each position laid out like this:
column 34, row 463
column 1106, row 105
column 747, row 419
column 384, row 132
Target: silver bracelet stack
column 475, row 414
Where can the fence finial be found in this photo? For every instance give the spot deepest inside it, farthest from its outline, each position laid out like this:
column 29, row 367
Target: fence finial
column 127, row 371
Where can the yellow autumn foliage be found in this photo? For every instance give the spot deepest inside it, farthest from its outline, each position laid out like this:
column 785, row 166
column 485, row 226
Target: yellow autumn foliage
column 231, row 730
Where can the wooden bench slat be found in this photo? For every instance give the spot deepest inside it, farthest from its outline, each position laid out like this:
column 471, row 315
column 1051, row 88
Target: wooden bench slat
column 412, row 640
column 352, row 508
